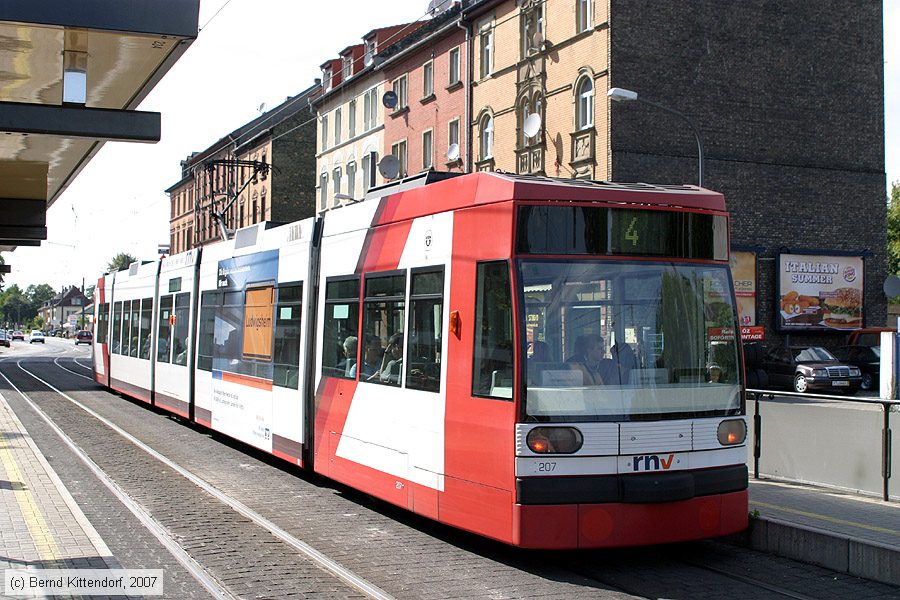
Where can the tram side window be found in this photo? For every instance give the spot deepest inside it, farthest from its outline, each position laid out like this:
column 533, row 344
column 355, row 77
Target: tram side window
column 341, row 321
column 135, row 329
column 181, row 329
column 287, row 336
column 426, row 303
column 146, row 318
column 117, row 328
column 493, row 357
column 209, row 301
column 126, row 328
column 163, row 352
column 103, row 324
column 383, row 320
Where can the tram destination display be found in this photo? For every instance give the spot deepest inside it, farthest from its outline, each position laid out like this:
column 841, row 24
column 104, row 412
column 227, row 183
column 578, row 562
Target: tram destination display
column 819, row 293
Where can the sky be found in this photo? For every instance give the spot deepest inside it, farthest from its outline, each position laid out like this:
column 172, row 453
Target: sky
column 248, row 52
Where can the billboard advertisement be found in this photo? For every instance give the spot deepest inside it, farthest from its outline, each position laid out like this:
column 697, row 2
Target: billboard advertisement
column 819, row 293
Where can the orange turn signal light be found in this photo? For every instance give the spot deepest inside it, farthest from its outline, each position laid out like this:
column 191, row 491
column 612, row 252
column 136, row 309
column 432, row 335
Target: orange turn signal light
column 732, row 432
column 455, row 324
column 554, row 440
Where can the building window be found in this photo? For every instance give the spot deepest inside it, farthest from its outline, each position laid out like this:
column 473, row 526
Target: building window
column 453, row 132
column 262, row 205
column 584, row 117
column 336, row 182
column 323, row 191
column 399, row 151
column 399, row 88
column 486, row 51
column 348, row 67
column 532, row 23
column 370, row 51
column 583, row 10
column 324, row 132
column 428, row 79
column 351, row 119
column 453, row 67
column 368, row 164
column 427, row 149
column 326, row 78
column 351, row 179
column 370, row 109
column 486, row 135
column 337, row 127
column 526, row 109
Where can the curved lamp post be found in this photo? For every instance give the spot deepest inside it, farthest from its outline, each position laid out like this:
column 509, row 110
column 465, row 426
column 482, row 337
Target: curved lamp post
column 623, row 95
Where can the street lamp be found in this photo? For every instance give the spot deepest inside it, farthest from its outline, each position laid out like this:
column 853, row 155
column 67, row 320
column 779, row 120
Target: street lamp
column 623, row 95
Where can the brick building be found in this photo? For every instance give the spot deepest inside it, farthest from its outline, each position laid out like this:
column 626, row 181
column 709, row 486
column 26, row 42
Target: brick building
column 262, row 171
column 427, row 70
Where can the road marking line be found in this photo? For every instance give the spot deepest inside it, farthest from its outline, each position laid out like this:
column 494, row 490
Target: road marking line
column 825, row 518
column 40, row 532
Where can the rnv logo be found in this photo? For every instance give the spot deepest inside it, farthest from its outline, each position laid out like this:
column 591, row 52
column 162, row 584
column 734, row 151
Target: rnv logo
column 651, row 462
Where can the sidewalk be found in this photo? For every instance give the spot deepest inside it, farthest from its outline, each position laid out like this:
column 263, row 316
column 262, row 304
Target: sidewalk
column 41, row 526
column 842, row 531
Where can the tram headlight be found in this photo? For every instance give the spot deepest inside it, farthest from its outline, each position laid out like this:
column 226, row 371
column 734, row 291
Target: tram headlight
column 732, row 432
column 554, row 440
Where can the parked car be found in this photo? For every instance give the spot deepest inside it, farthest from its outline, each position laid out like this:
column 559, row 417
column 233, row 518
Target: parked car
column 37, row 336
column 84, row 337
column 4, row 338
column 810, row 368
column 870, row 336
column 18, row 335
column 867, row 358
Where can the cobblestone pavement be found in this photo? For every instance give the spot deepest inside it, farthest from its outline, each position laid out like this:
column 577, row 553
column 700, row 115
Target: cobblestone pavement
column 405, row 555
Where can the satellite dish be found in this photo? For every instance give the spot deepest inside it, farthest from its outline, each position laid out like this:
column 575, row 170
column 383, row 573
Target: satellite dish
column 368, row 59
column 892, row 286
column 389, row 167
column 532, row 125
column 453, row 151
column 261, row 108
column 538, row 40
column 389, row 99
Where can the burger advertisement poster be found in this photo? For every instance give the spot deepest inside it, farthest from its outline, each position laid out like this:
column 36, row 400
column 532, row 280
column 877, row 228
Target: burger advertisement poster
column 819, row 293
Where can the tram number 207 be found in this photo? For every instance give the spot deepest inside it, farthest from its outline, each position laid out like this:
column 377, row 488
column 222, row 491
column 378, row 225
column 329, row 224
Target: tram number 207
column 546, row 467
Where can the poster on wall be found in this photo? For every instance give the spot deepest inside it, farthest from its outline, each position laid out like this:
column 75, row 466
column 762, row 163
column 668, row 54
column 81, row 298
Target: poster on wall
column 743, row 272
column 819, row 293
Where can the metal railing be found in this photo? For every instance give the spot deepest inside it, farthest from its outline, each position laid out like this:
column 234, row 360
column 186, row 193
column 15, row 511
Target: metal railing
column 885, row 404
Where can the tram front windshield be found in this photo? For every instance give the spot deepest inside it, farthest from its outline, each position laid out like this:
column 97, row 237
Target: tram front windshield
column 616, row 340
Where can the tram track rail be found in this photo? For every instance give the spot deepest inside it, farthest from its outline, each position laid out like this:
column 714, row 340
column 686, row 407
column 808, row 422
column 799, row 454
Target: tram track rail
column 157, row 526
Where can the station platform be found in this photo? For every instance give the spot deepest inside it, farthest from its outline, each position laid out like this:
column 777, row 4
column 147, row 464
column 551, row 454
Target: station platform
column 846, row 532
column 41, row 525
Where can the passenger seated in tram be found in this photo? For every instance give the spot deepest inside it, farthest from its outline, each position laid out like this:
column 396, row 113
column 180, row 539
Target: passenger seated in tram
column 348, row 362
column 588, row 352
column 618, row 370
column 392, row 362
column 714, row 373
column 372, row 355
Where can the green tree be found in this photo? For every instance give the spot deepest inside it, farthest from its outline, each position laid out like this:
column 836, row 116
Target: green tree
column 14, row 305
column 120, row 261
column 893, row 229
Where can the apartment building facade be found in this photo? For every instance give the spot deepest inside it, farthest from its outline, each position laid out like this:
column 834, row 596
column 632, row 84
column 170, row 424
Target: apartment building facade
column 262, row 171
column 351, row 119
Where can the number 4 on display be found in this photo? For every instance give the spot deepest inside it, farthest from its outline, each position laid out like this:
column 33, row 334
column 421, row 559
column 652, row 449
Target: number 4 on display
column 631, row 233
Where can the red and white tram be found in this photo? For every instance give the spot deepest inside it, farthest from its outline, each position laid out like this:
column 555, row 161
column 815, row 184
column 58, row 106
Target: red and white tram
column 549, row 363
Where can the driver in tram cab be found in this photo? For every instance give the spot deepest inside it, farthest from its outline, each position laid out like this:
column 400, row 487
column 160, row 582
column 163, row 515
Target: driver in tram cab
column 586, row 358
column 714, row 373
